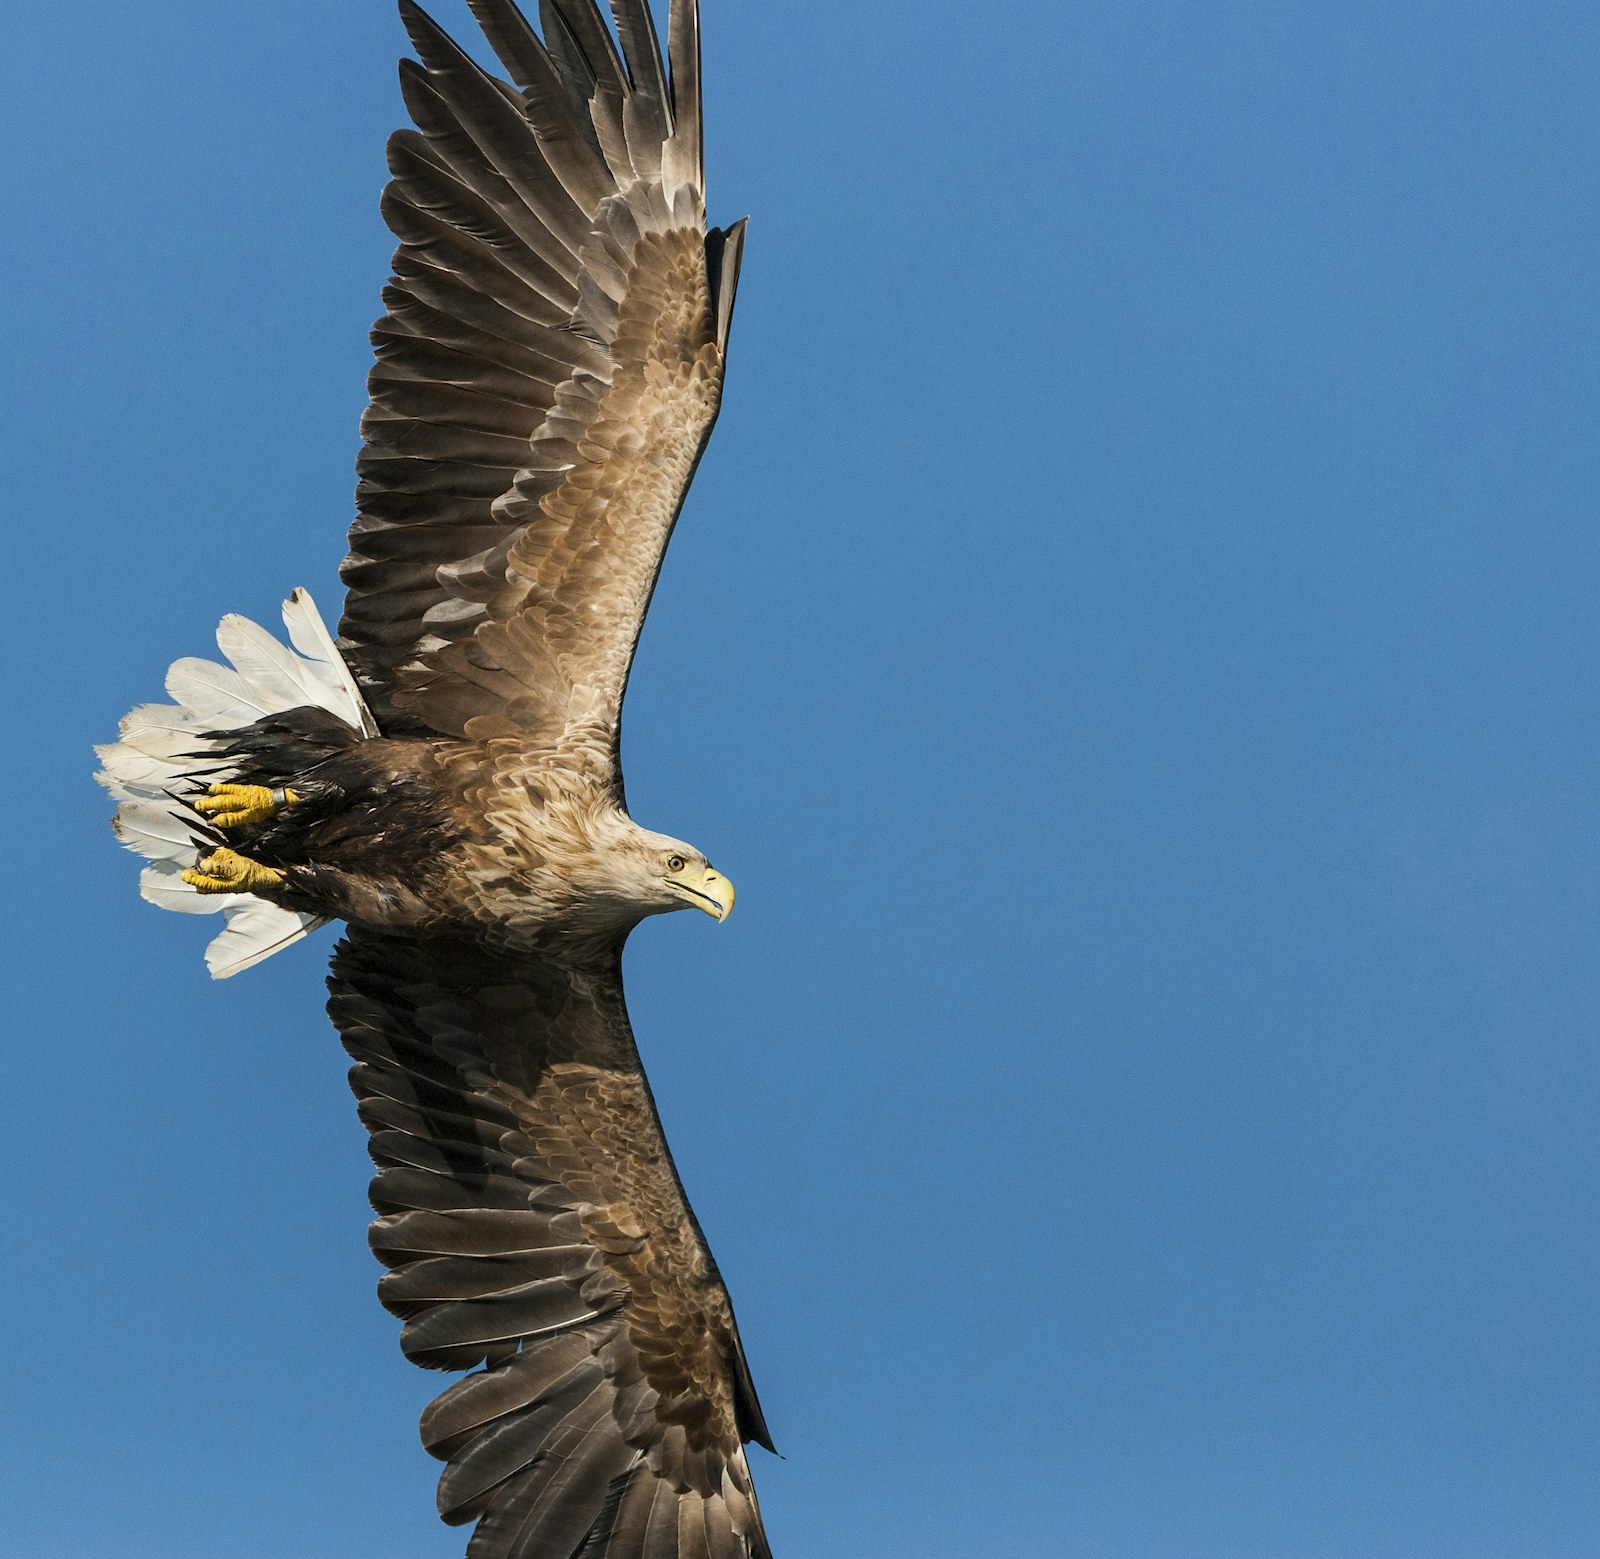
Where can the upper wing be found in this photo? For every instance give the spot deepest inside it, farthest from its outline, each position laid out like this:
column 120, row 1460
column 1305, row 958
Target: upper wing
column 547, row 374
column 533, row 1222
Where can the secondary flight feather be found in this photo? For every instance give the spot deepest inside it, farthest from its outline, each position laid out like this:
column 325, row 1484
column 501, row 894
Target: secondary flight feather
column 445, row 780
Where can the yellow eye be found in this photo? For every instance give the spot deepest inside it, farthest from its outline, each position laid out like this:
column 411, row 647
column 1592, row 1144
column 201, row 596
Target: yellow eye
column 676, row 863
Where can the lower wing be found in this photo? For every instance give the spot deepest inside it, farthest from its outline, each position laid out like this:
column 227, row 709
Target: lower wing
column 536, row 1233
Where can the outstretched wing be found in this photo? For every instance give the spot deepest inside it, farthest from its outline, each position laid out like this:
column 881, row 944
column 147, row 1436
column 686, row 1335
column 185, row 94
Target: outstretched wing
column 534, row 1225
column 547, row 374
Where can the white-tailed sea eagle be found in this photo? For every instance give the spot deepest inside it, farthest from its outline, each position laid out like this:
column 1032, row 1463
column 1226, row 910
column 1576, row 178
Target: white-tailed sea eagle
column 445, row 780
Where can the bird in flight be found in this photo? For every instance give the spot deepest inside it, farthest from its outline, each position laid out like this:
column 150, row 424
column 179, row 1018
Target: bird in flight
column 444, row 778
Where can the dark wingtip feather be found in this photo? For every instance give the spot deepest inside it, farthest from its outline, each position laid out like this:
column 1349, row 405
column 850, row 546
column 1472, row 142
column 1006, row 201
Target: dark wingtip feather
column 514, row 42
column 683, row 56
column 641, row 49
column 577, row 23
column 724, row 255
column 417, row 21
column 435, row 47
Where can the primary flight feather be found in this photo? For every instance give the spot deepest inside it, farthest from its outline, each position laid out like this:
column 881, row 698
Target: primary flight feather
column 445, row 779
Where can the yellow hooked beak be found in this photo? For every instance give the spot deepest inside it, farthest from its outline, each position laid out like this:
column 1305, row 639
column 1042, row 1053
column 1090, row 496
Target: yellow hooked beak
column 712, row 892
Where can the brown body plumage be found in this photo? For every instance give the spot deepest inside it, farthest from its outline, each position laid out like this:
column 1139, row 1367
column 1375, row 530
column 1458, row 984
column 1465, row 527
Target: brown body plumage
column 519, row 849
column 548, row 372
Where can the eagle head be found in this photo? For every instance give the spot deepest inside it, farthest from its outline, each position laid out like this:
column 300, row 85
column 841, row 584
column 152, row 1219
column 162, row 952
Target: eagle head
column 652, row 873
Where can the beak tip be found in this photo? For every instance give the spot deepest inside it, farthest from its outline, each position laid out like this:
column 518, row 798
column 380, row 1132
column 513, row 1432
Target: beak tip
column 714, row 896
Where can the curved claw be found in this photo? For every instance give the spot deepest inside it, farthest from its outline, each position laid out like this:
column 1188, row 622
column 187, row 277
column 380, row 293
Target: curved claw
column 224, row 871
column 233, row 806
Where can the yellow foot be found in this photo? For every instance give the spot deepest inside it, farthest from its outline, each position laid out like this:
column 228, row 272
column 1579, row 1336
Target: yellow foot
column 222, row 871
column 232, row 806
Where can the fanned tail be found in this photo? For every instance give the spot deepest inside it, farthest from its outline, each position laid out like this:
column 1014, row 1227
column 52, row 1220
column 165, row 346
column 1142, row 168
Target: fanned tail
column 172, row 753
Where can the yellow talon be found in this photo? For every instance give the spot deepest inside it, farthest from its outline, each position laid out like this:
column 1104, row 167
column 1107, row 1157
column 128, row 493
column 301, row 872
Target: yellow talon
column 223, row 871
column 232, row 806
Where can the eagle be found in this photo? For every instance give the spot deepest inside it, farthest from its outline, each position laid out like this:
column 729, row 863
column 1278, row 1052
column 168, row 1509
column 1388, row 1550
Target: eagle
column 444, row 778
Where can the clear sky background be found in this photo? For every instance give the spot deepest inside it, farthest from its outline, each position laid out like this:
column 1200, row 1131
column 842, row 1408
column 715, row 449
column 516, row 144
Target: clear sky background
column 1132, row 642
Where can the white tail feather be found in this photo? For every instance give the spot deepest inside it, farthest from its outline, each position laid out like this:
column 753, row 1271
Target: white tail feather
column 162, row 730
column 272, row 671
column 310, row 636
column 221, row 698
column 254, row 932
column 137, row 776
column 167, row 751
column 157, row 830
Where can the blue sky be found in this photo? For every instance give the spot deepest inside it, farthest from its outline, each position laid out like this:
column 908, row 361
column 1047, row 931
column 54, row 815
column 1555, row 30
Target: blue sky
column 1132, row 642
